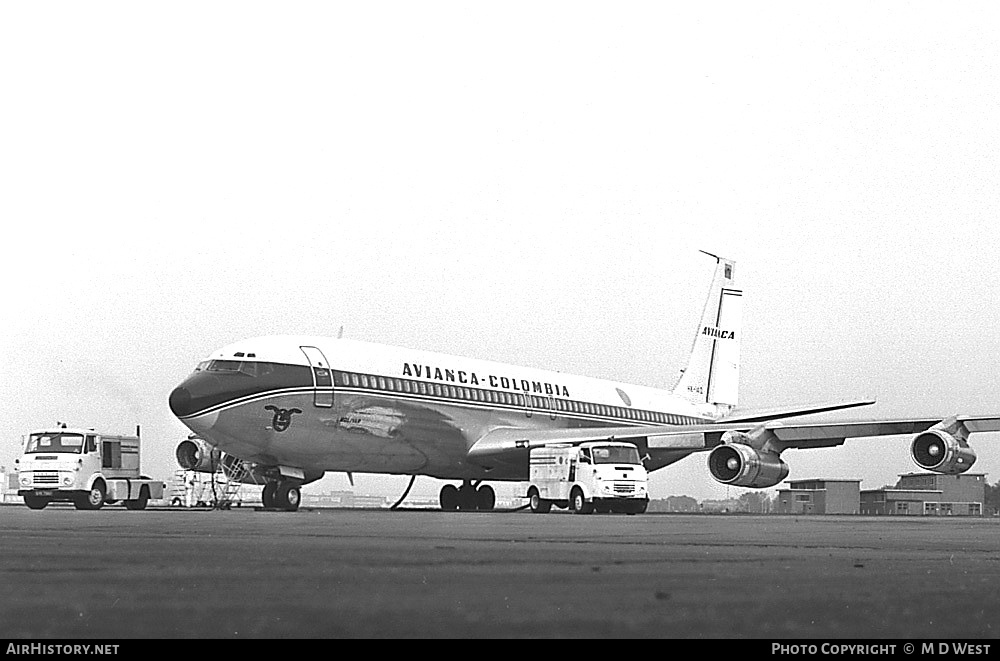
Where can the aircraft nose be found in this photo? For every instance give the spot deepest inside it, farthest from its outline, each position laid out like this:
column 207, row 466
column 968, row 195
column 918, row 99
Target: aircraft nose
column 180, row 401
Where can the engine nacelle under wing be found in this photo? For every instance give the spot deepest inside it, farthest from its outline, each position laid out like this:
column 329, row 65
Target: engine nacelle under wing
column 741, row 465
column 937, row 450
column 194, row 454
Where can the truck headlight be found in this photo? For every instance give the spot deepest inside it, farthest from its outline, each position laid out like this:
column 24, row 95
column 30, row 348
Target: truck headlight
column 25, row 479
column 68, row 480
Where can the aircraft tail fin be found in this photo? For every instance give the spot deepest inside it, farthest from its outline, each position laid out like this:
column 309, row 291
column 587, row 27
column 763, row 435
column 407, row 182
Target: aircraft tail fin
column 712, row 374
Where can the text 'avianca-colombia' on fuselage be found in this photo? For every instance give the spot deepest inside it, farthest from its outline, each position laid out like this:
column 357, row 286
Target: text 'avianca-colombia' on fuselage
column 282, row 410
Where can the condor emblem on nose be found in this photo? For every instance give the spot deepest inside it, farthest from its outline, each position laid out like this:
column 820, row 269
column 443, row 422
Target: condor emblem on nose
column 282, row 417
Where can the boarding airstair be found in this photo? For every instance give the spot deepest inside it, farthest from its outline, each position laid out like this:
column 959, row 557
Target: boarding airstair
column 219, row 490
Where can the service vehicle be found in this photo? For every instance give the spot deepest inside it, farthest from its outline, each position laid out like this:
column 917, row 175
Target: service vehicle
column 602, row 476
column 84, row 467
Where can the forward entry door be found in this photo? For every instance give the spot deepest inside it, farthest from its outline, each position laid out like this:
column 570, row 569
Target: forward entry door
column 322, row 377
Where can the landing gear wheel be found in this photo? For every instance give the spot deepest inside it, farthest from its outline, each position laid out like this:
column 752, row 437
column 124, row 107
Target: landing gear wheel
column 466, row 497
column 287, row 497
column 486, row 498
column 535, row 502
column 35, row 502
column 579, row 504
column 267, row 495
column 91, row 500
column 449, row 498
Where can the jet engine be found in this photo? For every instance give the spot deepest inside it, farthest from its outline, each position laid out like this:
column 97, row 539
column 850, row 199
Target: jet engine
column 937, row 450
column 743, row 466
column 194, row 454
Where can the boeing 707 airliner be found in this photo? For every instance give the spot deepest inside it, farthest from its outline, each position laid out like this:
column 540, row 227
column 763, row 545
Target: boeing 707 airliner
column 286, row 409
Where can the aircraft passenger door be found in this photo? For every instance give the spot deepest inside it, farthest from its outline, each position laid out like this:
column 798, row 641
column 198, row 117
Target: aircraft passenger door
column 527, row 404
column 322, row 377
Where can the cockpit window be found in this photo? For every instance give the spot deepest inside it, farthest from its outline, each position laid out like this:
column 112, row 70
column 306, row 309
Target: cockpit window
column 248, row 367
column 224, row 366
column 58, row 442
column 616, row 454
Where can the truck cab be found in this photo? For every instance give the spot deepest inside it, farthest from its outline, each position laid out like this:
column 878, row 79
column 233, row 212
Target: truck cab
column 602, row 476
column 84, row 467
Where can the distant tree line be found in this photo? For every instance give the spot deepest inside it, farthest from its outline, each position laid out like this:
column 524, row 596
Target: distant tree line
column 991, row 504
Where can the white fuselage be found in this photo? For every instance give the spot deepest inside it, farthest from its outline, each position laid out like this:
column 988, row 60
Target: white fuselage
column 322, row 404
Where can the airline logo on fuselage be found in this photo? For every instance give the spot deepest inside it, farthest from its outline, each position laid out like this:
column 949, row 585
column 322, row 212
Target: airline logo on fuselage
column 413, row 370
column 718, row 333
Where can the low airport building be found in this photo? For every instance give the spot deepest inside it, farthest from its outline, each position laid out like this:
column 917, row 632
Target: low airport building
column 820, row 496
column 917, row 494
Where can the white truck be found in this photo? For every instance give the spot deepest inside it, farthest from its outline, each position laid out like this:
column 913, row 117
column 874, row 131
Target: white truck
column 606, row 476
column 84, row 467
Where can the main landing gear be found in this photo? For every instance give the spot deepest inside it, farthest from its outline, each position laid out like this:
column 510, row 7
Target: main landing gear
column 467, row 497
column 285, row 495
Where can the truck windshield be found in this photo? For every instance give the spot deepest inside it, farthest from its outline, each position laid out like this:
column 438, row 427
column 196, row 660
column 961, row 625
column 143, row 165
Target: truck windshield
column 57, row 442
column 616, row 454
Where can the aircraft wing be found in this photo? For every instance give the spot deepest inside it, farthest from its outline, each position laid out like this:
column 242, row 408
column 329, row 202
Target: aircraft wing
column 758, row 415
column 705, row 437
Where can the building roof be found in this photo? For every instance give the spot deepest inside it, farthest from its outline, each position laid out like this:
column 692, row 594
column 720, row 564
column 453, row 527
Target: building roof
column 941, row 474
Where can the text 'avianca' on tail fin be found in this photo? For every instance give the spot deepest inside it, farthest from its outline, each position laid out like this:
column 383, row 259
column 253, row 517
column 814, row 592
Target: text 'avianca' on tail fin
column 712, row 375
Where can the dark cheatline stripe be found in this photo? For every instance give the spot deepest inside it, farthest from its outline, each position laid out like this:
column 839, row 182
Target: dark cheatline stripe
column 205, row 390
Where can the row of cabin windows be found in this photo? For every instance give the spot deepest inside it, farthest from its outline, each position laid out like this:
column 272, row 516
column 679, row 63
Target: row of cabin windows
column 545, row 404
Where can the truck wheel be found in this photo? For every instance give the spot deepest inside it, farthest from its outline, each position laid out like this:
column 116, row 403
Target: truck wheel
column 579, row 503
column 35, row 502
column 535, row 502
column 140, row 502
column 91, row 500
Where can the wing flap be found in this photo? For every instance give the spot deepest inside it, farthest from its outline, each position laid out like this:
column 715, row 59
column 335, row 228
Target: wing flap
column 505, row 439
column 762, row 415
column 821, row 435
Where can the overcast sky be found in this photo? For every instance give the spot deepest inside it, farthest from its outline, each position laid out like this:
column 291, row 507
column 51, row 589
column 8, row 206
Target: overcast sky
column 526, row 182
